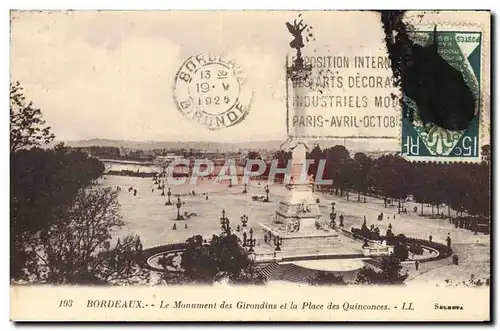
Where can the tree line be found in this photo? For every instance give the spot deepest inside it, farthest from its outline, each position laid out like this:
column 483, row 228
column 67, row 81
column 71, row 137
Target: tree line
column 60, row 219
column 462, row 186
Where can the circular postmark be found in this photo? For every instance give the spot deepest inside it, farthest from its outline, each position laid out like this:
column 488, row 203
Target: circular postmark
column 212, row 91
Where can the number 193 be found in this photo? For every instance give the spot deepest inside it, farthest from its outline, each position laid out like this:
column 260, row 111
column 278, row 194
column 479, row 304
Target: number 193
column 66, row 303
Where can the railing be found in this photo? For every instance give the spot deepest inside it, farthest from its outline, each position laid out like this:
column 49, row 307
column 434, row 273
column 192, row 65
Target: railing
column 356, row 236
column 149, row 253
column 443, row 250
column 378, row 251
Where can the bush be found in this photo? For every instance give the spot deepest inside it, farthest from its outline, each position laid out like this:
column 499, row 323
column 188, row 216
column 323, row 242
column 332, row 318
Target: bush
column 326, row 278
column 401, row 237
column 390, row 272
column 415, row 249
column 401, row 251
column 366, row 233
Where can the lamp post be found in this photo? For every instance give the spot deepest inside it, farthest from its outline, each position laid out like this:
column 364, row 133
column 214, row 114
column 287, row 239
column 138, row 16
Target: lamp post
column 333, row 216
column 163, row 190
column 224, row 221
column 168, row 203
column 230, row 182
column 244, row 221
column 245, row 189
column 266, row 188
column 244, row 239
column 251, row 245
column 178, row 204
column 251, row 242
column 278, row 241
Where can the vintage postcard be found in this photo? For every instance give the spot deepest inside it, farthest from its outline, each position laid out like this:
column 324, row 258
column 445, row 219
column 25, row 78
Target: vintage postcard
column 250, row 166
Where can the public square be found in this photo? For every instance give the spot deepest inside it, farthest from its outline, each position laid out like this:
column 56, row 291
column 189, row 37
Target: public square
column 145, row 214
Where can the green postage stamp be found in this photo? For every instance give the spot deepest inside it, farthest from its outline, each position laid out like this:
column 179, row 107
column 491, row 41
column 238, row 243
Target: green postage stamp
column 464, row 48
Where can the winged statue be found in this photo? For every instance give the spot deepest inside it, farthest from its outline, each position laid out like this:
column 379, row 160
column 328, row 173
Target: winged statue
column 296, row 30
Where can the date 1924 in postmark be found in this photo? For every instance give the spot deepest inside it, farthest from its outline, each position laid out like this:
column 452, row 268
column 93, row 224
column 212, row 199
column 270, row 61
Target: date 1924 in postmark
column 212, row 90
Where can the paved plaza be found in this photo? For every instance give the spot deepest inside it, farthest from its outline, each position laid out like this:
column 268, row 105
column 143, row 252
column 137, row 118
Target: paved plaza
column 146, row 215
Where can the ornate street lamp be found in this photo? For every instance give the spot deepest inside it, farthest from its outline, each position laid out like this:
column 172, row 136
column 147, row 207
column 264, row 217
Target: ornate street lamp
column 266, row 188
column 223, row 220
column 244, row 239
column 168, row 203
column 251, row 245
column 163, row 190
column 244, row 221
column 178, row 204
column 333, row 216
column 278, row 241
column 251, row 242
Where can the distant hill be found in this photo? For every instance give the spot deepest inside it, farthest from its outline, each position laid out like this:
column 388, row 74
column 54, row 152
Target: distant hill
column 201, row 145
column 352, row 145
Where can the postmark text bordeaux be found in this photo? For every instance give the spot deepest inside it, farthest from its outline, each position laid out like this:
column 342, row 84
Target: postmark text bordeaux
column 212, row 90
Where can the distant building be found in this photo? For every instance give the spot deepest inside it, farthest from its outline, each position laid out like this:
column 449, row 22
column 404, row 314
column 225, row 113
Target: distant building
column 167, row 159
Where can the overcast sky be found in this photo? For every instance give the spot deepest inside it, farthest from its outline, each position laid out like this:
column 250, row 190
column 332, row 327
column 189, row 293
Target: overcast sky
column 110, row 74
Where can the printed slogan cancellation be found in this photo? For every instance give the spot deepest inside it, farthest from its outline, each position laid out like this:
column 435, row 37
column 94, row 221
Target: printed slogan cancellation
column 344, row 96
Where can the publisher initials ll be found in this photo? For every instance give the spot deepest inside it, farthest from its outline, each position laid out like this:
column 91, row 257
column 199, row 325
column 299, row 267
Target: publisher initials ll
column 407, row 306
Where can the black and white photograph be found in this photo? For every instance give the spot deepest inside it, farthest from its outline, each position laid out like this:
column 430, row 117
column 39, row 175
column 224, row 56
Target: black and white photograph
column 250, row 165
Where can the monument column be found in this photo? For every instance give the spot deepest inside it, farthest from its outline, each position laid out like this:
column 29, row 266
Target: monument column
column 298, row 210
column 298, row 75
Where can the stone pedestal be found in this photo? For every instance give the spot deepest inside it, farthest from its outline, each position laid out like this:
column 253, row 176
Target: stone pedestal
column 298, row 221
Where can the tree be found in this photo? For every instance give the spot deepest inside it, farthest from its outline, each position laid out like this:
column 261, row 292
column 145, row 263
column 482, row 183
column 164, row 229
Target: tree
column 326, row 278
column 254, row 155
column 392, row 176
column 362, row 170
column 282, row 157
column 389, row 273
column 43, row 184
column 60, row 223
column 316, row 154
column 27, row 127
column 336, row 159
column 222, row 257
column 78, row 250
